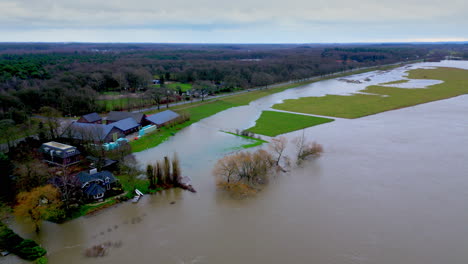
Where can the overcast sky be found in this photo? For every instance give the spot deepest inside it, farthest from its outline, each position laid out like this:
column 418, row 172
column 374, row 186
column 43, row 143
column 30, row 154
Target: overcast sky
column 238, row 21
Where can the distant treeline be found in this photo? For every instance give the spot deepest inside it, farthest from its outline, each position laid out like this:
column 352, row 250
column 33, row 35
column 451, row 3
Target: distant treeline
column 69, row 77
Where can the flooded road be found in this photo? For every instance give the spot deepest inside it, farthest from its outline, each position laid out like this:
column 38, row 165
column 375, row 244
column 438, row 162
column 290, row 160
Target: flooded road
column 390, row 188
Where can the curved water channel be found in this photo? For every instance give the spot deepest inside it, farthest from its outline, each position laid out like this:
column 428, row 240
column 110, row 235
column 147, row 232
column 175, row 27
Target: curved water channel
column 390, row 188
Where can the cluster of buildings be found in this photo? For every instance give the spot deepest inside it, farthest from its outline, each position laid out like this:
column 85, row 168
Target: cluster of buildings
column 93, row 128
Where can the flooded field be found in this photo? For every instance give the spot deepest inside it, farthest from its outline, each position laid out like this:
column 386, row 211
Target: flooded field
column 390, row 188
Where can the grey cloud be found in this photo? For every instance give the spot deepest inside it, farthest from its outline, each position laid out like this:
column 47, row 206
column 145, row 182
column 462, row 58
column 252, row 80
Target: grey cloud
column 249, row 19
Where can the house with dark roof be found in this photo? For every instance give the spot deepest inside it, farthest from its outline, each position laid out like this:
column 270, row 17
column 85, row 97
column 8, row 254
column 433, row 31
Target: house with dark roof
column 115, row 116
column 92, row 118
column 162, row 118
column 95, row 184
column 98, row 133
column 127, row 125
column 59, row 154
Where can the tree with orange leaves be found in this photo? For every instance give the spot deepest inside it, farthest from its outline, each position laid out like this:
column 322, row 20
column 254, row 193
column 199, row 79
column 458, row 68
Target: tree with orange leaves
column 38, row 204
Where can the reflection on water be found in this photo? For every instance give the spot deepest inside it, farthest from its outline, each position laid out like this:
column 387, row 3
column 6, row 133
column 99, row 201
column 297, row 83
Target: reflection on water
column 390, row 188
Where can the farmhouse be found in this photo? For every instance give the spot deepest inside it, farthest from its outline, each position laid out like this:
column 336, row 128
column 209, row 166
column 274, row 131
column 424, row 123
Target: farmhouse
column 95, row 184
column 92, row 118
column 127, row 125
column 162, row 118
column 97, row 133
column 115, row 116
column 59, row 154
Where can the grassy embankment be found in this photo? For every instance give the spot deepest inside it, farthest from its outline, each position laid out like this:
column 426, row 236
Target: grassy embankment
column 385, row 98
column 273, row 123
column 256, row 141
column 200, row 110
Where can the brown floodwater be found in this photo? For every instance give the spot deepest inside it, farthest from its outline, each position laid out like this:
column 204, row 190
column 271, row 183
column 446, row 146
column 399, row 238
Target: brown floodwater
column 390, row 188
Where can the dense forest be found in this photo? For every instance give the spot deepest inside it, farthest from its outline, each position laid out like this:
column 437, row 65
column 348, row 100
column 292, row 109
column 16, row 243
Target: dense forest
column 69, row 77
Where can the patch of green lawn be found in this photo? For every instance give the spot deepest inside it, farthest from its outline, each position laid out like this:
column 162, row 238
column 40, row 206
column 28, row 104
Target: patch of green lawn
column 384, row 98
column 173, row 85
column 272, row 123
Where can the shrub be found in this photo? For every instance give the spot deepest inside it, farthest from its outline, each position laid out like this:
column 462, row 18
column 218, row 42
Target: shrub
column 30, row 250
column 42, row 260
column 23, row 248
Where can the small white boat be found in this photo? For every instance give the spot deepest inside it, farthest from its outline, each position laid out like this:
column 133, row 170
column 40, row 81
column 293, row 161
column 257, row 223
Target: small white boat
column 137, row 197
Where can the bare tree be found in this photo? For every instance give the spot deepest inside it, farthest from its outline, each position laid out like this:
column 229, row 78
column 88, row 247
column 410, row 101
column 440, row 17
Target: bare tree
column 250, row 168
column 159, row 173
column 166, row 168
column 176, row 174
column 157, row 94
column 305, row 149
column 150, row 173
column 52, row 120
column 277, row 146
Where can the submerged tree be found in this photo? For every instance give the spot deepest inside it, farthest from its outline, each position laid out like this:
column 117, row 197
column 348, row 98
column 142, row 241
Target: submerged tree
column 38, row 204
column 150, row 173
column 159, row 173
column 250, row 168
column 277, row 146
column 175, row 170
column 167, row 170
column 306, row 149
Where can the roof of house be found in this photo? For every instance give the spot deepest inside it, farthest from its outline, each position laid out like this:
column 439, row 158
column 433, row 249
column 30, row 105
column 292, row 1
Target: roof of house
column 58, row 149
column 93, row 117
column 162, row 117
column 94, row 189
column 87, row 131
column 84, row 177
column 119, row 115
column 126, row 124
column 106, row 163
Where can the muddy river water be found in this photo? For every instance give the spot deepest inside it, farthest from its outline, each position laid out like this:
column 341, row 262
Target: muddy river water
column 390, row 188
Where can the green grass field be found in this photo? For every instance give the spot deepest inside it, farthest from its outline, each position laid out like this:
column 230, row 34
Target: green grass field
column 385, row 98
column 173, row 85
column 272, row 123
column 124, row 103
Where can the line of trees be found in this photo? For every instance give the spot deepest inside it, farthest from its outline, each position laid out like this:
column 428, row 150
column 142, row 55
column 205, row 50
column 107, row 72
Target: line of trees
column 70, row 77
column 164, row 173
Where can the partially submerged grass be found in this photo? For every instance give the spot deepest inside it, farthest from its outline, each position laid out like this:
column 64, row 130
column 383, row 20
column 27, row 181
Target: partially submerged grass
column 384, row 98
column 395, row 82
column 272, row 123
column 256, row 141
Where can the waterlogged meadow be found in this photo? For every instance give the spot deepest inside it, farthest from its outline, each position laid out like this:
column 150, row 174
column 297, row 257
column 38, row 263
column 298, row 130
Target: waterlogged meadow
column 377, row 98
